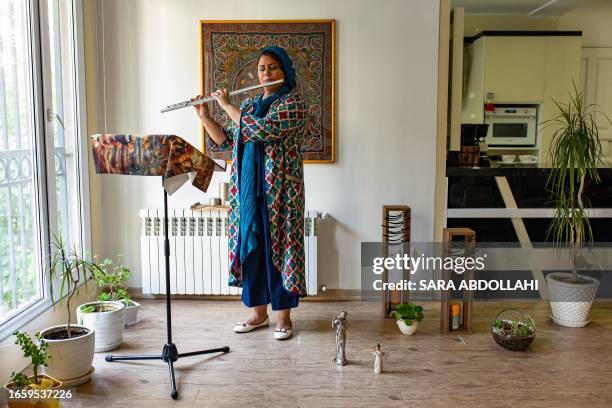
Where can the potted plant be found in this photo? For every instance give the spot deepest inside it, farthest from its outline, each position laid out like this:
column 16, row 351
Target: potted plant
column 106, row 315
column 110, row 280
column 71, row 346
column 574, row 156
column 107, row 319
column 513, row 330
column 20, row 384
column 408, row 316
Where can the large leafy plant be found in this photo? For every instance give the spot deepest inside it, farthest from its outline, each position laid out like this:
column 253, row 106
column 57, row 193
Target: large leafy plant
column 574, row 156
column 68, row 266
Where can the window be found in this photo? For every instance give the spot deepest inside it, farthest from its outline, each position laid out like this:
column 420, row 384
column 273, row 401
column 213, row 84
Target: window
column 42, row 184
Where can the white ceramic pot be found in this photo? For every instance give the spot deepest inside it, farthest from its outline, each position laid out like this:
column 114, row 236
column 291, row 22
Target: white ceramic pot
column 131, row 314
column 70, row 358
column 571, row 302
column 107, row 325
column 404, row 328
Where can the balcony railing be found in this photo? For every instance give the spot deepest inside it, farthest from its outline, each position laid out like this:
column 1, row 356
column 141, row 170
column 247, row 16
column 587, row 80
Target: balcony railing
column 19, row 281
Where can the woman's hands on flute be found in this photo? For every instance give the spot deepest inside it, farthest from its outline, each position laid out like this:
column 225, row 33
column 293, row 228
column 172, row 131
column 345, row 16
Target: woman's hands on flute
column 214, row 130
column 201, row 109
column 222, row 98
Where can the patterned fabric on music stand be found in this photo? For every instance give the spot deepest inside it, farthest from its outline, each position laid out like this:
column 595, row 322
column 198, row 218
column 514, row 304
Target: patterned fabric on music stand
column 168, row 156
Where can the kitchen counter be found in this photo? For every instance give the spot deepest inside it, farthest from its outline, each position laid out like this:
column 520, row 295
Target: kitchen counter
column 511, row 203
column 514, row 169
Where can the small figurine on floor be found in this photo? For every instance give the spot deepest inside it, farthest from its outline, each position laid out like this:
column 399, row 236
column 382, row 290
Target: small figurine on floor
column 378, row 359
column 340, row 324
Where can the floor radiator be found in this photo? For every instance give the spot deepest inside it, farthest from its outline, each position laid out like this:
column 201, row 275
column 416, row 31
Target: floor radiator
column 199, row 259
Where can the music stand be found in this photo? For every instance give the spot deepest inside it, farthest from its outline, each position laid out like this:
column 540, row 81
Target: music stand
column 157, row 155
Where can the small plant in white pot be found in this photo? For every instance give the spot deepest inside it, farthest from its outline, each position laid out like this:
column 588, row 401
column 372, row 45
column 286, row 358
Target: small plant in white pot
column 574, row 155
column 110, row 280
column 71, row 346
column 408, row 316
column 107, row 319
column 106, row 315
column 22, row 389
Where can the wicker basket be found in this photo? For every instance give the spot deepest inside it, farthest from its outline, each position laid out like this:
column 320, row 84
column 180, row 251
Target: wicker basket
column 513, row 329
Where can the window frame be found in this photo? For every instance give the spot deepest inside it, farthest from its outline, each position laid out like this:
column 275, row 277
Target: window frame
column 38, row 32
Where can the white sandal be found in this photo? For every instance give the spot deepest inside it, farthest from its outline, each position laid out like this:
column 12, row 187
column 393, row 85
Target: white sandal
column 242, row 327
column 283, row 334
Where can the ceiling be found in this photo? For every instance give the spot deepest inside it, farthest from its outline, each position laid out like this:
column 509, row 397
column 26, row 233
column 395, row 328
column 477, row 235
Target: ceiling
column 522, row 7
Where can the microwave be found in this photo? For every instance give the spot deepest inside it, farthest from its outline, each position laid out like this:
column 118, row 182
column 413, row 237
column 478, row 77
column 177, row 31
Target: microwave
column 512, row 126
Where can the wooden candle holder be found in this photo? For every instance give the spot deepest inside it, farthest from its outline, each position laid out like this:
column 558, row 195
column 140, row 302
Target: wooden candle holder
column 469, row 240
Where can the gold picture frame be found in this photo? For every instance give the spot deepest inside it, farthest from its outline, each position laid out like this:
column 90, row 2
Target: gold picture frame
column 228, row 50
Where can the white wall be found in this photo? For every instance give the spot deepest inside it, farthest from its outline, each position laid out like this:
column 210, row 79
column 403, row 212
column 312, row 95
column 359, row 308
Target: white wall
column 593, row 20
column 148, row 57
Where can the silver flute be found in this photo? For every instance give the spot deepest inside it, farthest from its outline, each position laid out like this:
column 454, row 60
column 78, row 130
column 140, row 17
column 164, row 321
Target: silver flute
column 210, row 98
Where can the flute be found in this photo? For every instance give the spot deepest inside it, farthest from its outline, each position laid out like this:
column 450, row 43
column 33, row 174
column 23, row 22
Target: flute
column 210, row 98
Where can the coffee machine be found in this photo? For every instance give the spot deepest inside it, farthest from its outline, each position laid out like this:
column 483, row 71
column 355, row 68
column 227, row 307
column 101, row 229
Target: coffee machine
column 473, row 145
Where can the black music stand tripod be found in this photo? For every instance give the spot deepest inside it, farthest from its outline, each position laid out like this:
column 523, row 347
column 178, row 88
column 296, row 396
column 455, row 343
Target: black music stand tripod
column 169, row 353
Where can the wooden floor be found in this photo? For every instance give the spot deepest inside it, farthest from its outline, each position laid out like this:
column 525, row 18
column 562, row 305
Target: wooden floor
column 563, row 368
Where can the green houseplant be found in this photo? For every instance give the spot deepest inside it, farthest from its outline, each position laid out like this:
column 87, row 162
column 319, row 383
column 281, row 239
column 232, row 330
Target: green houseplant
column 408, row 316
column 39, row 357
column 107, row 315
column 111, row 279
column 71, row 346
column 574, row 155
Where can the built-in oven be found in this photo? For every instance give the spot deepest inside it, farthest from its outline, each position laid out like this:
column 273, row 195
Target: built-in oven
column 512, row 126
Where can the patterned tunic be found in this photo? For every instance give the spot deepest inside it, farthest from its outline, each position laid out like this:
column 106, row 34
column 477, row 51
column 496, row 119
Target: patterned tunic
column 282, row 131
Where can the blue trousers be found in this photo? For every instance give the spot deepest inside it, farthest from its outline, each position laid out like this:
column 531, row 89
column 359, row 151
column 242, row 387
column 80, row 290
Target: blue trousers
column 262, row 282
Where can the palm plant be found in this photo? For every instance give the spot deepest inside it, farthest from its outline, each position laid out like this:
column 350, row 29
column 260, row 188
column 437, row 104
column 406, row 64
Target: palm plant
column 68, row 266
column 574, row 155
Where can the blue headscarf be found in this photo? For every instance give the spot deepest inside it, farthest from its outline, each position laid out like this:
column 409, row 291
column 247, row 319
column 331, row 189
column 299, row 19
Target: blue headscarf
column 261, row 105
column 252, row 156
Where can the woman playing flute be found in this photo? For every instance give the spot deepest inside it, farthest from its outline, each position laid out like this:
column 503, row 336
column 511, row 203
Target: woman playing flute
column 266, row 218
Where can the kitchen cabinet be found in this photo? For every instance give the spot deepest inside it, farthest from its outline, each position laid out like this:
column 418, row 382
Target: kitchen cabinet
column 597, row 86
column 517, row 67
column 514, row 69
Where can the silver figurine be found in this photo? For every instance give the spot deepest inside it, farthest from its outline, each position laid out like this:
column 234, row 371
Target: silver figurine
column 340, row 324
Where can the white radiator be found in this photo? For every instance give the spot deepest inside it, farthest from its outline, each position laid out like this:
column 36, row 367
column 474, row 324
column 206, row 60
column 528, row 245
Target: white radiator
column 199, row 258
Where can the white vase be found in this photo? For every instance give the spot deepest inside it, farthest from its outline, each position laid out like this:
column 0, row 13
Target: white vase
column 131, row 314
column 70, row 358
column 571, row 302
column 107, row 325
column 404, row 328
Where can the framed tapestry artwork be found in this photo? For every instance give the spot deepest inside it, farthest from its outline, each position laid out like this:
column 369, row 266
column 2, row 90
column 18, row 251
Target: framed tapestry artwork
column 229, row 51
